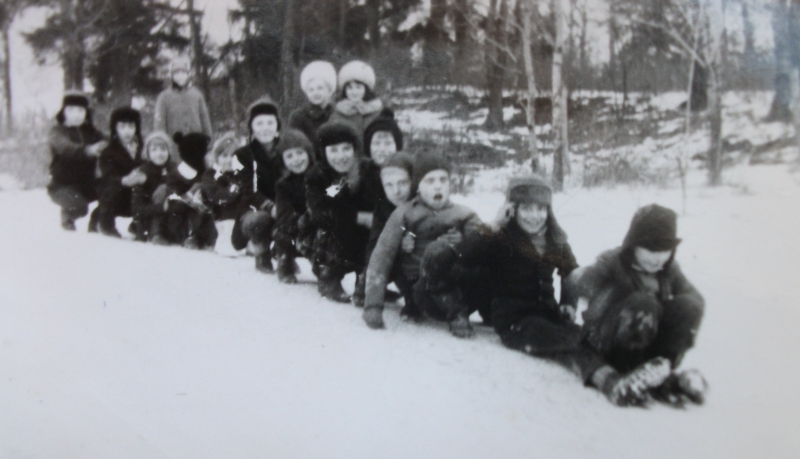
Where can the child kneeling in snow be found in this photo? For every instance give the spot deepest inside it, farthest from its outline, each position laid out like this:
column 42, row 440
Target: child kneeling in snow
column 642, row 310
column 430, row 225
column 148, row 198
column 292, row 229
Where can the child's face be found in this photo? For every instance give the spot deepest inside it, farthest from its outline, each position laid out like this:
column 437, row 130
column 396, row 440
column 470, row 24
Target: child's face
column 180, row 77
column 531, row 217
column 355, row 91
column 74, row 115
column 434, row 189
column 125, row 131
column 317, row 92
column 651, row 262
column 396, row 184
column 265, row 128
column 158, row 152
column 296, row 160
column 225, row 160
column 382, row 147
column 341, row 156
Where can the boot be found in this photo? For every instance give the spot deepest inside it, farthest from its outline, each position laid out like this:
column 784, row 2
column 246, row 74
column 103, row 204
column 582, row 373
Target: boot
column 67, row 221
column 192, row 242
column 94, row 220
column 460, row 327
column 286, row 270
column 264, row 262
column 158, row 239
column 411, row 313
column 108, row 227
column 634, row 388
column 332, row 290
column 682, row 387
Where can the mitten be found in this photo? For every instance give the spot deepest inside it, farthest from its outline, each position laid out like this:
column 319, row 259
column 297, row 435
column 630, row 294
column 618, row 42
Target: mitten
column 373, row 316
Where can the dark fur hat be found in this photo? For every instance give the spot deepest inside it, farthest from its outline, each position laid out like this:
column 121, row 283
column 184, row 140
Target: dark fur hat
column 384, row 122
column 528, row 189
column 335, row 132
column 125, row 115
column 262, row 106
column 192, row 148
column 426, row 162
column 654, row 228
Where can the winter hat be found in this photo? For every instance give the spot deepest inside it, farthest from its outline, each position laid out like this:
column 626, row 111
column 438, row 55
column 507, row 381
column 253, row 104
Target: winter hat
column 654, row 228
column 125, row 115
column 357, row 71
column 162, row 136
column 75, row 97
column 223, row 144
column 335, row 132
column 321, row 70
column 426, row 162
column 528, row 189
column 180, row 63
column 262, row 106
column 401, row 160
column 384, row 122
column 192, row 148
column 294, row 138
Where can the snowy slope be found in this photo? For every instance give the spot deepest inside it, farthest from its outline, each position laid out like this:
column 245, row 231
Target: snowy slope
column 114, row 349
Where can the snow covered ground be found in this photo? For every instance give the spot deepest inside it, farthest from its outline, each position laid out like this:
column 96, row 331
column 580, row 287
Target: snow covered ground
column 114, row 349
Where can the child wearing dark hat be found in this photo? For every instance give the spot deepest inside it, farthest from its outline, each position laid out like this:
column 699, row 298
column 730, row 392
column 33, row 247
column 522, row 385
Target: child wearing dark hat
column 434, row 225
column 358, row 104
column 262, row 168
column 318, row 82
column 383, row 138
column 292, row 228
column 341, row 193
column 642, row 309
column 74, row 145
column 150, row 195
column 119, row 173
column 181, row 107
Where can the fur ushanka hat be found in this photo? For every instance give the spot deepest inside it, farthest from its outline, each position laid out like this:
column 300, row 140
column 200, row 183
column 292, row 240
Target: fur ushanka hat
column 76, row 98
column 529, row 189
column 262, row 106
column 125, row 115
column 654, row 228
column 319, row 70
column 335, row 132
column 357, row 71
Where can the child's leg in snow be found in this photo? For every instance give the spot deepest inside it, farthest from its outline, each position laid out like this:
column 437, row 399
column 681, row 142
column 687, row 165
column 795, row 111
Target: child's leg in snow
column 203, row 229
column 114, row 200
column 176, row 222
column 677, row 328
column 256, row 227
column 73, row 203
column 406, row 287
column 437, row 292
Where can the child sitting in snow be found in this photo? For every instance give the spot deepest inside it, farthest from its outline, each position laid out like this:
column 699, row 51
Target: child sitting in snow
column 292, row 229
column 642, row 309
column 149, row 197
column 183, row 188
column 341, row 192
column 318, row 82
column 74, row 145
column 119, row 173
column 358, row 104
column 435, row 225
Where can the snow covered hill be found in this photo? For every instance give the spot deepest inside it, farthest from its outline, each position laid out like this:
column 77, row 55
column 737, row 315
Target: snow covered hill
column 114, row 349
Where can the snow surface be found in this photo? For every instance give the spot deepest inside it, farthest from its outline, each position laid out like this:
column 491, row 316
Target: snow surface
column 115, row 349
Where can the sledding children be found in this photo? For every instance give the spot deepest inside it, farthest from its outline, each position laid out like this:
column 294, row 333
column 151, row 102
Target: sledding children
column 181, row 107
column 74, row 145
column 341, row 193
column 318, row 82
column 642, row 310
column 149, row 196
column 358, row 104
column 262, row 167
column 433, row 226
column 293, row 232
column 383, row 138
column 119, row 173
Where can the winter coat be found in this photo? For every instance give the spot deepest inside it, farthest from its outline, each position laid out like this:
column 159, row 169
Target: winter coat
column 427, row 225
column 225, row 194
column 181, row 110
column 359, row 115
column 290, row 205
column 71, row 165
column 142, row 203
column 266, row 165
column 520, row 279
column 308, row 118
column 612, row 279
column 115, row 162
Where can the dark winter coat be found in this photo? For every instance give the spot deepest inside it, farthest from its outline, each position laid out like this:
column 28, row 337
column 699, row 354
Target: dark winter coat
column 115, row 162
column 143, row 204
column 290, row 204
column 359, row 115
column 71, row 165
column 308, row 118
column 520, row 279
column 225, row 194
column 267, row 166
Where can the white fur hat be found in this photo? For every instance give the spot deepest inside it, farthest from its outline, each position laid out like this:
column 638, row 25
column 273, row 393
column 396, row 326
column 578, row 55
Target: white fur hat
column 357, row 71
column 322, row 70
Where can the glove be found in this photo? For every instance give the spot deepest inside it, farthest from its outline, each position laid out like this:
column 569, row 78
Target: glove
column 373, row 316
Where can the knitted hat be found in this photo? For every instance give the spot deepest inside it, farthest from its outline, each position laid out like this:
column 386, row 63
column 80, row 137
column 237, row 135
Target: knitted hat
column 125, row 115
column 528, row 189
column 321, row 70
column 75, row 97
column 294, row 138
column 223, row 144
column 384, row 122
column 426, row 162
column 654, row 228
column 357, row 71
column 180, row 63
column 192, row 148
column 335, row 132
column 401, row 160
column 262, row 106
column 162, row 136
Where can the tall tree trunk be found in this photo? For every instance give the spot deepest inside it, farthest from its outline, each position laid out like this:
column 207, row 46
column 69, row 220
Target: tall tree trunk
column 527, row 55
column 461, row 26
column 374, row 25
column 583, row 61
column 714, row 61
column 72, row 63
column 560, row 125
column 287, row 58
column 9, row 113
column 749, row 37
column 780, row 111
column 495, row 63
column 197, row 47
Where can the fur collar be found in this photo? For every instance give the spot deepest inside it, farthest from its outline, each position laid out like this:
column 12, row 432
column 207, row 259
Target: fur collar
column 350, row 108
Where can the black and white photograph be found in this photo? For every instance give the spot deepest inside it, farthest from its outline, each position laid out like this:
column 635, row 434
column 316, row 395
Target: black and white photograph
column 399, row 229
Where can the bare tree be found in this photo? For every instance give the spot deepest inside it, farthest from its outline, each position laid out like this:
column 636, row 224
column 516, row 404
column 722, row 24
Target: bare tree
column 714, row 35
column 8, row 11
column 287, row 55
column 496, row 44
column 560, row 122
column 527, row 30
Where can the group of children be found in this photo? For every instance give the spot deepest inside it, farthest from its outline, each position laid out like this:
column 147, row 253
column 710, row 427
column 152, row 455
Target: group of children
column 335, row 187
